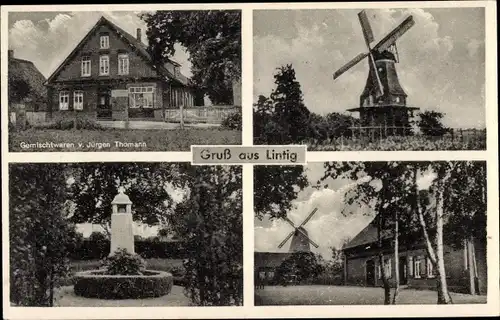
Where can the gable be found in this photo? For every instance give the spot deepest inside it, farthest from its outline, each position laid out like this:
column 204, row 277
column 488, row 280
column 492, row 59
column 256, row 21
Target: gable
column 90, row 46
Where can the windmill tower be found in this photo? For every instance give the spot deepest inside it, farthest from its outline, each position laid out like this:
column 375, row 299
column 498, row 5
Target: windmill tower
column 300, row 240
column 382, row 104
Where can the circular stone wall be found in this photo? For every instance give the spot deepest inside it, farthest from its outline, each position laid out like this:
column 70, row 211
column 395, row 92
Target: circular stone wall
column 96, row 284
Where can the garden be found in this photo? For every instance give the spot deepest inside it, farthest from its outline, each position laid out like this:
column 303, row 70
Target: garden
column 198, row 209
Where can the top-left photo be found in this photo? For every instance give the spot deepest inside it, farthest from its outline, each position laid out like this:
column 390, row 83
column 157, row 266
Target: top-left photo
column 123, row 80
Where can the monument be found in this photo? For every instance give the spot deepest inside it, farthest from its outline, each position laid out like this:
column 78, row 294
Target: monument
column 122, row 235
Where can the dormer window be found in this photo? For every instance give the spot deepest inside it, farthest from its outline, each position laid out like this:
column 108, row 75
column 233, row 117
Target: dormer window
column 122, row 208
column 104, row 41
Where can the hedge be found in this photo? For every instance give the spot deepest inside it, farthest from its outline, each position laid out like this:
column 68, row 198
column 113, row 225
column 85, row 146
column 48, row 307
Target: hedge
column 95, row 284
column 95, row 250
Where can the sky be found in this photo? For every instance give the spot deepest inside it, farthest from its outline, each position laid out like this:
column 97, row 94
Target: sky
column 328, row 227
column 442, row 57
column 47, row 38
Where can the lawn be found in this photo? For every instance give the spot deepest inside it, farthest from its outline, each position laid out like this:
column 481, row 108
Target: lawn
column 33, row 140
column 344, row 295
column 66, row 297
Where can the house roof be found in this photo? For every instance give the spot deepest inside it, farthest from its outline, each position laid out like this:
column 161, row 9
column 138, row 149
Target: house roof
column 27, row 71
column 269, row 259
column 368, row 235
column 138, row 45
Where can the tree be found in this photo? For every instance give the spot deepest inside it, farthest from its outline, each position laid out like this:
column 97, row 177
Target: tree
column 282, row 118
column 41, row 237
column 209, row 222
column 302, row 265
column 96, row 184
column 275, row 188
column 430, row 123
column 385, row 188
column 212, row 38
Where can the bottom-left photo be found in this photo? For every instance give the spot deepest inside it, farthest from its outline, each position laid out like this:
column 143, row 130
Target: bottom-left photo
column 125, row 234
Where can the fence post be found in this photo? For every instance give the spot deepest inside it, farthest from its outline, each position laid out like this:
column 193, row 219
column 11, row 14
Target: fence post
column 181, row 108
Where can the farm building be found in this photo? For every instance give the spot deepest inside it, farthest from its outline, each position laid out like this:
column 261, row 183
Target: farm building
column 465, row 267
column 265, row 265
column 111, row 76
column 26, row 90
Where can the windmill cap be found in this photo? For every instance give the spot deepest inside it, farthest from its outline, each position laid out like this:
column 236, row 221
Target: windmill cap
column 121, row 198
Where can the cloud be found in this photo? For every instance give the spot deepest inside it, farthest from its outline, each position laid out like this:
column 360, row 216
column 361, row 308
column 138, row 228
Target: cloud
column 330, row 226
column 433, row 55
column 49, row 41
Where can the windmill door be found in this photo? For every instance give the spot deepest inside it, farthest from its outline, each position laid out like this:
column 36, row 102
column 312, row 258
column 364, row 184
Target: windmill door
column 370, row 273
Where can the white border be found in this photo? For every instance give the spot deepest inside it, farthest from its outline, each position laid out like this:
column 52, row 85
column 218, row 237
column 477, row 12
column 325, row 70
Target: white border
column 248, row 310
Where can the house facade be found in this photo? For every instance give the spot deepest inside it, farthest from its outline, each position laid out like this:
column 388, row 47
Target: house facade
column 265, row 265
column 465, row 267
column 111, row 76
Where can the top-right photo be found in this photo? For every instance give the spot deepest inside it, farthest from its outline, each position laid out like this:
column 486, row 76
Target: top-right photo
column 389, row 79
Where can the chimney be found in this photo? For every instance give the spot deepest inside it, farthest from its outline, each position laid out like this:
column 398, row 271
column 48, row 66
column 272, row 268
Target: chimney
column 139, row 31
column 11, row 54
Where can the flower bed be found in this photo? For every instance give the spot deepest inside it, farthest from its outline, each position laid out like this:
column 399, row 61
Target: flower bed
column 97, row 284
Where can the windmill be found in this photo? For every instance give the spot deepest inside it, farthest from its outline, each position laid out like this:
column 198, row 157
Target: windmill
column 382, row 107
column 300, row 240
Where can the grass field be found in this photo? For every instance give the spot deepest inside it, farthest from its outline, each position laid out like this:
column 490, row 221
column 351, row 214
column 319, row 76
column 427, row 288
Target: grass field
column 465, row 140
column 33, row 140
column 344, row 295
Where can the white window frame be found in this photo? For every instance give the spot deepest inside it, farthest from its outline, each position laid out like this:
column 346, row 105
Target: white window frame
column 135, row 93
column 388, row 267
column 123, row 64
column 417, row 267
column 410, row 266
column 104, row 65
column 429, row 268
column 78, row 100
column 86, row 68
column 104, row 41
column 64, row 100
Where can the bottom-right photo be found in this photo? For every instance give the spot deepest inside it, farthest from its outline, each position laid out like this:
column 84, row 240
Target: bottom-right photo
column 370, row 233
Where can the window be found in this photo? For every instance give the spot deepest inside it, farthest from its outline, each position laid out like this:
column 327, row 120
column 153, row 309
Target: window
column 398, row 99
column 123, row 64
column 388, row 267
column 63, row 100
column 104, row 65
column 379, row 271
column 270, row 275
column 418, row 265
column 86, row 67
column 410, row 266
column 141, row 97
column 78, row 100
column 430, row 269
column 104, row 41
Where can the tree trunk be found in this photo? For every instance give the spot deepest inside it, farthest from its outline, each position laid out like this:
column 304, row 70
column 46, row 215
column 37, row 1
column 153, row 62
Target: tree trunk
column 443, row 294
column 396, row 257
column 387, row 287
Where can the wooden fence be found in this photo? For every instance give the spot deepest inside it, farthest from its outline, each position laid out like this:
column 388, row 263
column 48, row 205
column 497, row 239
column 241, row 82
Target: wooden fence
column 212, row 114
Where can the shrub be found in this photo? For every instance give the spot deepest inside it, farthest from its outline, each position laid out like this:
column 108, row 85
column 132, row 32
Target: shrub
column 124, row 263
column 232, row 121
column 69, row 124
column 92, row 284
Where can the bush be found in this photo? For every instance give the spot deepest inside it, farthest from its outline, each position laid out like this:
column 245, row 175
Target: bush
column 95, row 284
column 232, row 121
column 124, row 263
column 69, row 124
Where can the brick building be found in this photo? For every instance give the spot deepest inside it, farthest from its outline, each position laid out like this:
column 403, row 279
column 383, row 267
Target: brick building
column 111, row 76
column 465, row 267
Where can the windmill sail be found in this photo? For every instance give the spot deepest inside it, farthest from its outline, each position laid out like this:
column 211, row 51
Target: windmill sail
column 367, row 28
column 389, row 39
column 349, row 65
